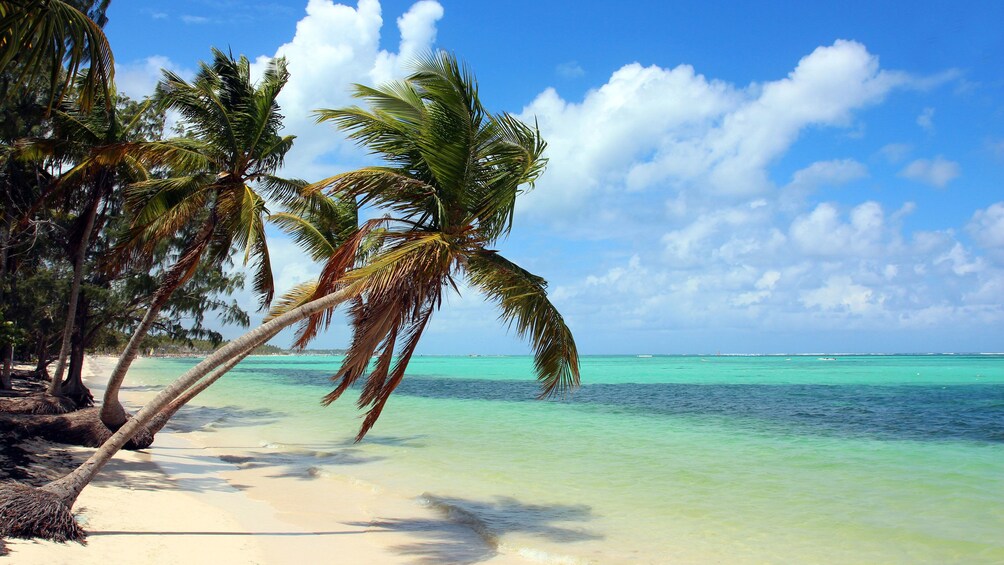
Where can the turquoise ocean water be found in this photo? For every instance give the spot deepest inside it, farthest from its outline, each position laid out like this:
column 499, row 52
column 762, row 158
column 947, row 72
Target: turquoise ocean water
column 662, row 459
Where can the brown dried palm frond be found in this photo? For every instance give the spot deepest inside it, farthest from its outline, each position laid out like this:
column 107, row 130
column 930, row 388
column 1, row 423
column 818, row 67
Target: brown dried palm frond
column 453, row 173
column 28, row 512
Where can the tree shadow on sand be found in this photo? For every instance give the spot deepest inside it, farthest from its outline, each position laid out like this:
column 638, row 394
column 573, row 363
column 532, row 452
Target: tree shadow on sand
column 449, row 539
column 206, row 418
column 303, row 462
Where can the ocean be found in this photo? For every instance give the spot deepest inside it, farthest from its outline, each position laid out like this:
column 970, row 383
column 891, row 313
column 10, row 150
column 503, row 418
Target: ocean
column 656, row 459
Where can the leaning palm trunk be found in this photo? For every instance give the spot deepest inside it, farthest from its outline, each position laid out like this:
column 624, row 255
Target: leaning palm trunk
column 71, row 309
column 113, row 414
column 160, row 420
column 69, row 487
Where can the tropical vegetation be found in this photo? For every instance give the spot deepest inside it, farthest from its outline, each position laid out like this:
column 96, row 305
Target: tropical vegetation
column 133, row 231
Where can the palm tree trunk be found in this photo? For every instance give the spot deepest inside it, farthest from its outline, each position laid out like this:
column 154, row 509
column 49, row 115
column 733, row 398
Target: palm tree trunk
column 69, row 487
column 73, row 387
column 8, row 361
column 160, row 420
column 78, row 276
column 112, row 412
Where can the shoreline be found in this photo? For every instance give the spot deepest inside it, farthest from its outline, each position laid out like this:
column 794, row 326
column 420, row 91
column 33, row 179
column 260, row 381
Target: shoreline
column 180, row 502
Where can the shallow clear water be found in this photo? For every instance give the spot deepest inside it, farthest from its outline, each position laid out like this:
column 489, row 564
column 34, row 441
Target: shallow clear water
column 870, row 459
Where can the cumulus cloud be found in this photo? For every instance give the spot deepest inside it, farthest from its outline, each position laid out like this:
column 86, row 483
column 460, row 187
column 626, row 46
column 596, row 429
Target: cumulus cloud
column 937, row 172
column 987, row 229
column 334, row 47
column 839, row 293
column 138, row 79
column 926, row 119
column 823, row 233
column 570, row 69
column 651, row 128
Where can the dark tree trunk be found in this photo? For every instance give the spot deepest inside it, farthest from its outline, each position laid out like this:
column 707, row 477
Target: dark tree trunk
column 73, row 386
column 79, row 257
column 8, row 361
column 41, row 348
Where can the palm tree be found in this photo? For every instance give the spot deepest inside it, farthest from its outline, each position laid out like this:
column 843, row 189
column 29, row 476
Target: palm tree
column 444, row 219
column 39, row 36
column 103, row 149
column 450, row 184
column 233, row 145
column 320, row 225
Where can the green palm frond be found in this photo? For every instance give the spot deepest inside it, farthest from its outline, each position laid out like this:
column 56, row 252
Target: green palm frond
column 161, row 208
column 182, row 155
column 522, row 297
column 39, row 36
column 227, row 160
column 318, row 223
column 449, row 185
column 385, row 188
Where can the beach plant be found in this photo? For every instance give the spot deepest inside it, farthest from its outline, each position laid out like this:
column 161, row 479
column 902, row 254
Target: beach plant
column 100, row 151
column 57, row 38
column 449, row 189
column 221, row 174
column 320, row 225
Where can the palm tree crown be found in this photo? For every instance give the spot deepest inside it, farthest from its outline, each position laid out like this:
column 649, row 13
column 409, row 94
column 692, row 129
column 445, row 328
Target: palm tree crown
column 449, row 186
column 230, row 152
column 40, row 36
column 232, row 148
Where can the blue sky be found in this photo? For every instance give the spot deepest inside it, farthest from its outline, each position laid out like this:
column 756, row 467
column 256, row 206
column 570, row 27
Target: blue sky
column 745, row 177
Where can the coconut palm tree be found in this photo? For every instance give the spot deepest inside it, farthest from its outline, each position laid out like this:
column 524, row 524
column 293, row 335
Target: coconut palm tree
column 449, row 187
column 454, row 173
column 38, row 36
column 233, row 147
column 104, row 153
column 320, row 225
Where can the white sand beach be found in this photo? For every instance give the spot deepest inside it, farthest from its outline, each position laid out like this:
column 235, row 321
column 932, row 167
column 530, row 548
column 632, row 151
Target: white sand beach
column 179, row 502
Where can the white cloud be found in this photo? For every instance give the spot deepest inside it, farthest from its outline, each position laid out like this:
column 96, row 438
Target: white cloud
column 570, row 69
column 926, row 119
column 675, row 130
column 335, row 46
column 960, row 261
column 828, row 173
column 194, row 20
column 936, row 172
column 822, row 233
column 138, row 79
column 418, row 34
column 841, row 293
column 987, row 229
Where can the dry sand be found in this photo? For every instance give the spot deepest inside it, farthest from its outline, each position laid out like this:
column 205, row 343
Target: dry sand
column 181, row 503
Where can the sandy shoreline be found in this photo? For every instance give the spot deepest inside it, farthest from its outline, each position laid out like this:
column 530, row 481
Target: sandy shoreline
column 180, row 502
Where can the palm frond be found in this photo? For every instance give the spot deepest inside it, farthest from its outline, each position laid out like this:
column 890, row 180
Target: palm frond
column 522, row 297
column 293, row 298
column 41, row 35
column 332, row 278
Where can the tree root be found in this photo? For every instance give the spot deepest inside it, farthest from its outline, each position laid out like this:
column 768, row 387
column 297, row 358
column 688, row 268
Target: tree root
column 27, row 512
column 42, row 404
column 83, row 427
